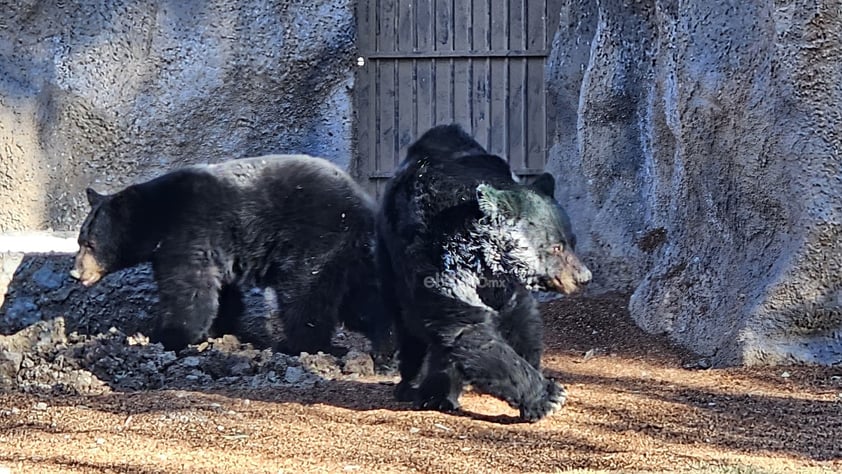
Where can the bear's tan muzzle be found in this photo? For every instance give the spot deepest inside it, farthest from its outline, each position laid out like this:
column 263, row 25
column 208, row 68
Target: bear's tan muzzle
column 573, row 276
column 86, row 269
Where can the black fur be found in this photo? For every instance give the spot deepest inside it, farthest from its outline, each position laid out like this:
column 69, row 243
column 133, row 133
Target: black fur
column 296, row 224
column 460, row 242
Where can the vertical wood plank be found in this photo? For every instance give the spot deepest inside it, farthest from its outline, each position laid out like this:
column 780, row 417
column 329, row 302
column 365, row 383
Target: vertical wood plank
column 462, row 38
column 553, row 19
column 536, row 133
column 405, row 85
column 536, row 32
column 517, row 9
column 516, row 94
column 536, row 125
column 480, row 87
column 498, row 107
column 387, row 93
column 443, row 68
column 425, row 41
column 405, row 34
column 462, row 30
column 405, row 128
column 499, row 34
column 517, row 113
column 387, row 128
column 499, row 79
column 480, row 101
column 443, row 91
column 443, row 18
column 461, row 93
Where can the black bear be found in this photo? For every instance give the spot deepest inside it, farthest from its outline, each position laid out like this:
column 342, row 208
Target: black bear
column 295, row 223
column 460, row 244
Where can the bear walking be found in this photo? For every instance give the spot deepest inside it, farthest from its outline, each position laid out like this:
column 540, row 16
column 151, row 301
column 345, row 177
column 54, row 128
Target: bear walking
column 460, row 244
column 295, row 223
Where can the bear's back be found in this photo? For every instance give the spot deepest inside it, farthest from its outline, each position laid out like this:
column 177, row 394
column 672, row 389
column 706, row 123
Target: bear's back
column 250, row 171
column 436, row 184
column 290, row 179
column 299, row 193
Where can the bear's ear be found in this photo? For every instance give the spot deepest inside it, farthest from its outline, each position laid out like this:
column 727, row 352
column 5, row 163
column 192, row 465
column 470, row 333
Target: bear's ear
column 94, row 197
column 497, row 203
column 545, row 184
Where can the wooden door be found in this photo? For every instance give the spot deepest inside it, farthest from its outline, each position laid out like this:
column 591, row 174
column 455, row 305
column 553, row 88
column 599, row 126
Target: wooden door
column 479, row 63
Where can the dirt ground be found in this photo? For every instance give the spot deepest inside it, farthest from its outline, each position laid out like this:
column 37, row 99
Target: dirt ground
column 635, row 404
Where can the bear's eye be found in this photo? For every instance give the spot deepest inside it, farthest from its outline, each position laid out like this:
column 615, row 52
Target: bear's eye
column 89, row 245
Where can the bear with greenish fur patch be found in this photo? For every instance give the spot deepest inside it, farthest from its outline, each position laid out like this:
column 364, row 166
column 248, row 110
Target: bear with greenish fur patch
column 294, row 223
column 460, row 245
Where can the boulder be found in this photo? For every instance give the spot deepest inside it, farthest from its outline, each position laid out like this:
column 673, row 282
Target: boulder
column 698, row 145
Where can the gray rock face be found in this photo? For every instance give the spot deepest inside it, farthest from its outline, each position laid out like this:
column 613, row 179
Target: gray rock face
column 701, row 145
column 107, row 93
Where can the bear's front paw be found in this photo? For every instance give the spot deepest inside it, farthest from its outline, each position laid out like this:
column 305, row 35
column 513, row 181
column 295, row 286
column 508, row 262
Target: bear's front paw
column 552, row 400
column 405, row 392
column 437, row 392
column 442, row 404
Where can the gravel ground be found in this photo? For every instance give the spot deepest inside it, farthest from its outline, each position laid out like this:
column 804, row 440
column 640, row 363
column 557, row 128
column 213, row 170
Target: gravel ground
column 115, row 403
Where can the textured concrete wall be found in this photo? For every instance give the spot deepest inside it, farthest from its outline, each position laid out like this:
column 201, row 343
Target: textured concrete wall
column 701, row 144
column 110, row 92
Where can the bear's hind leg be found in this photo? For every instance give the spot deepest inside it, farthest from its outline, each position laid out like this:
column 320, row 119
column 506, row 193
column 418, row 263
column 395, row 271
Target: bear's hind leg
column 309, row 311
column 411, row 354
column 189, row 301
column 231, row 309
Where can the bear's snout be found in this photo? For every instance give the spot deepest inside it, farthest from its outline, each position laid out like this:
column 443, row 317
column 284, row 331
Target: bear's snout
column 86, row 269
column 573, row 275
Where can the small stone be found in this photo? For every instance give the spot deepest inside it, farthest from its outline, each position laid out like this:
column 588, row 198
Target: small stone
column 356, row 362
column 241, row 368
column 191, row 361
column 785, row 375
column 293, row 374
column 137, row 340
column 10, row 363
column 40, row 406
column 701, row 364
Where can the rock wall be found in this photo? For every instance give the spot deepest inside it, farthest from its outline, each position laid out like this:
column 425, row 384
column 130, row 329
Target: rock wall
column 108, row 92
column 699, row 146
